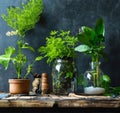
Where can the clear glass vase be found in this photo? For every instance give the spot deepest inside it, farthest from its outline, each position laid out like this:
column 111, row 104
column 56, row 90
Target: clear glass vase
column 92, row 79
column 63, row 76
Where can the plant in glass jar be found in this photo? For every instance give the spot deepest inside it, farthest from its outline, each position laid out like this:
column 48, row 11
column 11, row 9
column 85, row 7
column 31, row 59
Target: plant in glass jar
column 92, row 44
column 59, row 49
column 20, row 20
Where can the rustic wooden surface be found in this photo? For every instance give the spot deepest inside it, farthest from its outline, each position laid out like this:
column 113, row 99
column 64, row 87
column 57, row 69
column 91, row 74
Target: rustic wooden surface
column 72, row 100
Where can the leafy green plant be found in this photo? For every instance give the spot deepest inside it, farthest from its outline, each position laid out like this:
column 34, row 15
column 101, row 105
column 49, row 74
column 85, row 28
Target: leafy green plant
column 59, row 48
column 24, row 19
column 21, row 20
column 92, row 40
column 105, row 82
column 60, row 44
column 17, row 58
column 113, row 91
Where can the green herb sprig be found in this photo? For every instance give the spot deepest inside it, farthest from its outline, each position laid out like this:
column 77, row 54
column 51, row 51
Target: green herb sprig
column 60, row 44
column 24, row 19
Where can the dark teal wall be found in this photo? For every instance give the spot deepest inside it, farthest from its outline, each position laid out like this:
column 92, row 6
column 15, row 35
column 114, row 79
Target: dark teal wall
column 68, row 15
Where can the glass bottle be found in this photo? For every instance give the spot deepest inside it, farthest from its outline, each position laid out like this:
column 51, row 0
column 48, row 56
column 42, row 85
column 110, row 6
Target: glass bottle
column 92, row 83
column 63, row 76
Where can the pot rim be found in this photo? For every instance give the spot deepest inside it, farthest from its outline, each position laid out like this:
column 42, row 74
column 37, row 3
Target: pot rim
column 18, row 80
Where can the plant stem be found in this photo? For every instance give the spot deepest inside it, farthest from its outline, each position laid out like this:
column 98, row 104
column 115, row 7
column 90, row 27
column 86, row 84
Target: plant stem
column 95, row 59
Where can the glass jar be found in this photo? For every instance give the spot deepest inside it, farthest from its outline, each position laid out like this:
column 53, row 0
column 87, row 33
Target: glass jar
column 63, row 76
column 92, row 79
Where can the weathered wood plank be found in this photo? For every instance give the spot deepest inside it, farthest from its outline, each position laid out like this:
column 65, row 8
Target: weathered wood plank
column 88, row 103
column 26, row 103
column 93, row 97
column 72, row 100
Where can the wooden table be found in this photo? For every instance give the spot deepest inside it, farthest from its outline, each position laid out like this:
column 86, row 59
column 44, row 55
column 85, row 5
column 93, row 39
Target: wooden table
column 72, row 101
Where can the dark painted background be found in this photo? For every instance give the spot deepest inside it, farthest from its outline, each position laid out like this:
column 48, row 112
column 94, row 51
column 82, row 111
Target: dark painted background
column 67, row 15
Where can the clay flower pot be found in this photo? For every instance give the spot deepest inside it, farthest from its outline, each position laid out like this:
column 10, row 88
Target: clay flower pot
column 19, row 86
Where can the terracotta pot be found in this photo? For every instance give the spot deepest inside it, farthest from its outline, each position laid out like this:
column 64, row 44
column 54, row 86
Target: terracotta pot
column 19, row 86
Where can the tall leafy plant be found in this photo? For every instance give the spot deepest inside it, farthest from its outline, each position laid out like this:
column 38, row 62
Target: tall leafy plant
column 20, row 20
column 92, row 43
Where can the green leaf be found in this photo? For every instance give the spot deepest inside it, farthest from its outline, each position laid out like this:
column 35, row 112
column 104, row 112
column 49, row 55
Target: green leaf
column 69, row 75
column 106, row 78
column 26, row 46
column 80, row 79
column 90, row 33
column 38, row 58
column 82, row 48
column 87, row 36
column 9, row 51
column 5, row 58
column 116, row 89
column 100, row 28
column 29, row 70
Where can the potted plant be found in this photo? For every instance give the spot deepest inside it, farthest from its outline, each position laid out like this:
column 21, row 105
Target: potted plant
column 59, row 49
column 19, row 60
column 92, row 44
column 20, row 20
